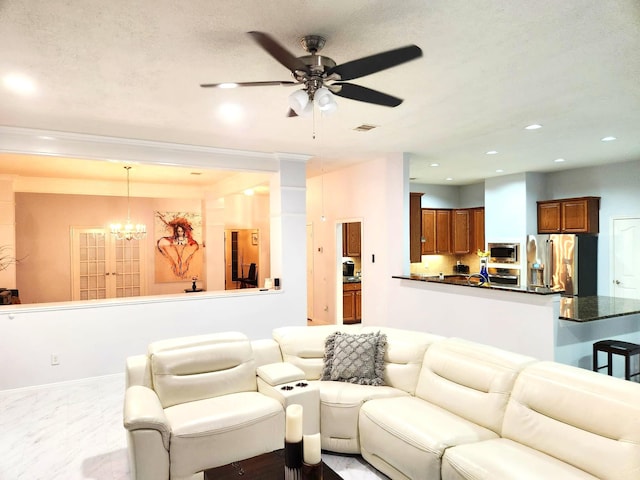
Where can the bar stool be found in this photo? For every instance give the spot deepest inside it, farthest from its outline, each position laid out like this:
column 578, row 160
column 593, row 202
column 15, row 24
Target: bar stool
column 616, row 347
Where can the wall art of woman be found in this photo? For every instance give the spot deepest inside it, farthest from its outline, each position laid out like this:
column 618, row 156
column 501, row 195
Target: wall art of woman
column 179, row 248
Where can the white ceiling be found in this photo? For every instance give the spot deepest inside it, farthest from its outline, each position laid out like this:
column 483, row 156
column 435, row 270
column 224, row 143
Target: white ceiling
column 490, row 67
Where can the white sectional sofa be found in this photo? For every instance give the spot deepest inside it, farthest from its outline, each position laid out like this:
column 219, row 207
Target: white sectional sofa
column 449, row 409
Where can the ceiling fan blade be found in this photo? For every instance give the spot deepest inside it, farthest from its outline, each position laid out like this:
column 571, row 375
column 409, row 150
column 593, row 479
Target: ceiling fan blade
column 278, row 52
column 291, row 113
column 246, row 84
column 364, row 94
column 375, row 63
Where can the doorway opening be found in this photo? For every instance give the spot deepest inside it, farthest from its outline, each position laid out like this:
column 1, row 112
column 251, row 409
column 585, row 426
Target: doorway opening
column 349, row 251
column 241, row 254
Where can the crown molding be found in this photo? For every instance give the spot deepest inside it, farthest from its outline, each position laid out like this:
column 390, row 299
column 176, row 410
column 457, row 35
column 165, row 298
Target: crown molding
column 95, row 147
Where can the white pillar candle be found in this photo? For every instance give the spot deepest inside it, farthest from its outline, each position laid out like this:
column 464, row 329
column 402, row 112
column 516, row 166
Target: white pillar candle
column 311, row 445
column 293, row 425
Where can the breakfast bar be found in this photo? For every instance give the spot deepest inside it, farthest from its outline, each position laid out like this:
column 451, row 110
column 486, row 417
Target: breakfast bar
column 537, row 322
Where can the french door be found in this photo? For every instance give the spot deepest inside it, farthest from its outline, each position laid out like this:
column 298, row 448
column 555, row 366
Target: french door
column 105, row 267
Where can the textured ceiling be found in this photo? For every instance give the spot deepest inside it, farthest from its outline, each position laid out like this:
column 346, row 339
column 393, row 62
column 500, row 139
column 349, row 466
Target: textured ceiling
column 491, row 67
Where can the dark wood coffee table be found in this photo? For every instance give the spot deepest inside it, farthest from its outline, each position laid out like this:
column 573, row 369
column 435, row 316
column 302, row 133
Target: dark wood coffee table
column 268, row 466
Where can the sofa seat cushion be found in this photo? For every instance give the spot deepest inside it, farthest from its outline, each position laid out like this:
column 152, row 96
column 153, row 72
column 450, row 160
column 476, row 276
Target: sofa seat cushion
column 340, row 404
column 207, row 433
column 502, row 459
column 410, row 435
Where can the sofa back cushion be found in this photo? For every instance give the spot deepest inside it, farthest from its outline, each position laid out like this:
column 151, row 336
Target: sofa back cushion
column 586, row 419
column 194, row 368
column 471, row 380
column 305, row 346
column 403, row 355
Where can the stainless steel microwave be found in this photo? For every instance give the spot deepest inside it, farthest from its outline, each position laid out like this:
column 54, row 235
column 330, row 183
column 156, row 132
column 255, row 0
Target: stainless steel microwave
column 504, row 252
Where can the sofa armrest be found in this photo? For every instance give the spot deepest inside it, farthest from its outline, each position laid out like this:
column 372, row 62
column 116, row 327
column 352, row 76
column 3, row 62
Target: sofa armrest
column 143, row 411
column 279, row 373
column 138, row 371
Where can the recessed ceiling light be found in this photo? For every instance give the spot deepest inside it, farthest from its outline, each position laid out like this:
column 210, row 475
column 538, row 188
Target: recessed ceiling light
column 559, row 160
column 434, row 165
column 499, row 170
column 249, row 191
column 228, row 85
column 534, row 126
column 448, row 179
column 608, row 139
column 492, row 152
column 19, row 84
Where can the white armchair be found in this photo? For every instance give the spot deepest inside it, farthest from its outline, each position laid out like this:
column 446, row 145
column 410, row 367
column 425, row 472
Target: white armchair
column 192, row 404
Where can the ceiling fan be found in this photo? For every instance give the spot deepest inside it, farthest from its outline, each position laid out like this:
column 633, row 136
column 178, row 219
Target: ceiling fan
column 320, row 76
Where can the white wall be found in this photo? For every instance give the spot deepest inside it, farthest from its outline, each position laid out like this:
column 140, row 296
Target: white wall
column 92, row 340
column 518, row 322
column 373, row 193
column 505, row 209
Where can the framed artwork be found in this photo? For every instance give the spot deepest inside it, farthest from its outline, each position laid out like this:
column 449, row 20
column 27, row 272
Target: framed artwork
column 178, row 254
column 254, row 238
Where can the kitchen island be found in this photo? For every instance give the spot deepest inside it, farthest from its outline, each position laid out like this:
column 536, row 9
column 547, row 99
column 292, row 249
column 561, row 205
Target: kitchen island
column 535, row 322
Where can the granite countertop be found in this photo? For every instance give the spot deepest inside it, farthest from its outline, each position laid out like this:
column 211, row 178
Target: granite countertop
column 351, row 279
column 588, row 309
column 473, row 282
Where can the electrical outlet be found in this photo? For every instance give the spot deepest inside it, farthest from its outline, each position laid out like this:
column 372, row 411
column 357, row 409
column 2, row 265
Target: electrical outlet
column 55, row 360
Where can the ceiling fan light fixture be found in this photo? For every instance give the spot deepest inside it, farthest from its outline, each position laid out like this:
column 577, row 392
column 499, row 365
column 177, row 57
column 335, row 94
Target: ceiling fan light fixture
column 298, row 100
column 324, row 99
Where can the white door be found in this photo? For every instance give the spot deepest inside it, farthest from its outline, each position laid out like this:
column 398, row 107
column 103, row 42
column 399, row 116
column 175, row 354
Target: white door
column 626, row 258
column 104, row 267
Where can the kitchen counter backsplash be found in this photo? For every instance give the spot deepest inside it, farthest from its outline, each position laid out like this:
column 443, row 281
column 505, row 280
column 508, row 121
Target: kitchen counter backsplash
column 445, row 263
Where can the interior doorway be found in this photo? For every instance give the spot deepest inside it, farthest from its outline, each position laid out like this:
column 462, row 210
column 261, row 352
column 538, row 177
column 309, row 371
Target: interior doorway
column 349, row 256
column 241, row 258
column 626, row 258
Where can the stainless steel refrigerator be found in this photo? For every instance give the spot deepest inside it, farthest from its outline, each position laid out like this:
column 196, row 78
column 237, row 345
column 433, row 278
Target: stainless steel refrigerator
column 564, row 262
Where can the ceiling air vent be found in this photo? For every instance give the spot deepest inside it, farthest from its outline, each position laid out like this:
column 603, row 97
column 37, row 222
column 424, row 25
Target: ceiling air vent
column 365, row 128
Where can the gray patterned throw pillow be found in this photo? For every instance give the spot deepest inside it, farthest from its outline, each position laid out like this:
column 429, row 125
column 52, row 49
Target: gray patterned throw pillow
column 355, row 358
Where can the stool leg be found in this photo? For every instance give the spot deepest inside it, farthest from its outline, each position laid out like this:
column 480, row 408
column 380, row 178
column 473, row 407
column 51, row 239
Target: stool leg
column 595, row 359
column 610, row 366
column 627, row 367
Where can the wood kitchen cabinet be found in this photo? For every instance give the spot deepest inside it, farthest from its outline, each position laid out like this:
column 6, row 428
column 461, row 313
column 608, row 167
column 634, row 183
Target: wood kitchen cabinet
column 569, row 215
column 460, row 231
column 436, row 231
column 415, row 227
column 351, row 303
column 477, row 229
column 351, row 239
column 428, row 232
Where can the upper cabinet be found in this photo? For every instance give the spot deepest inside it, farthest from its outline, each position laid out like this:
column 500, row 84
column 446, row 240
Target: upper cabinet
column 351, row 239
column 569, row 215
column 477, row 229
column 461, row 232
column 458, row 231
column 436, row 231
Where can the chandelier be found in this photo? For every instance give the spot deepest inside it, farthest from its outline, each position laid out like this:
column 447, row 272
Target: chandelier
column 128, row 231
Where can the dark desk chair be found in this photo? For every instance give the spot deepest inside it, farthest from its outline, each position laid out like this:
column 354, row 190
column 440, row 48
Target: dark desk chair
column 251, row 280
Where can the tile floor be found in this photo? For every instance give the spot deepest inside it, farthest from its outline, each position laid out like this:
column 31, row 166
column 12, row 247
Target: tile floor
column 73, row 431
